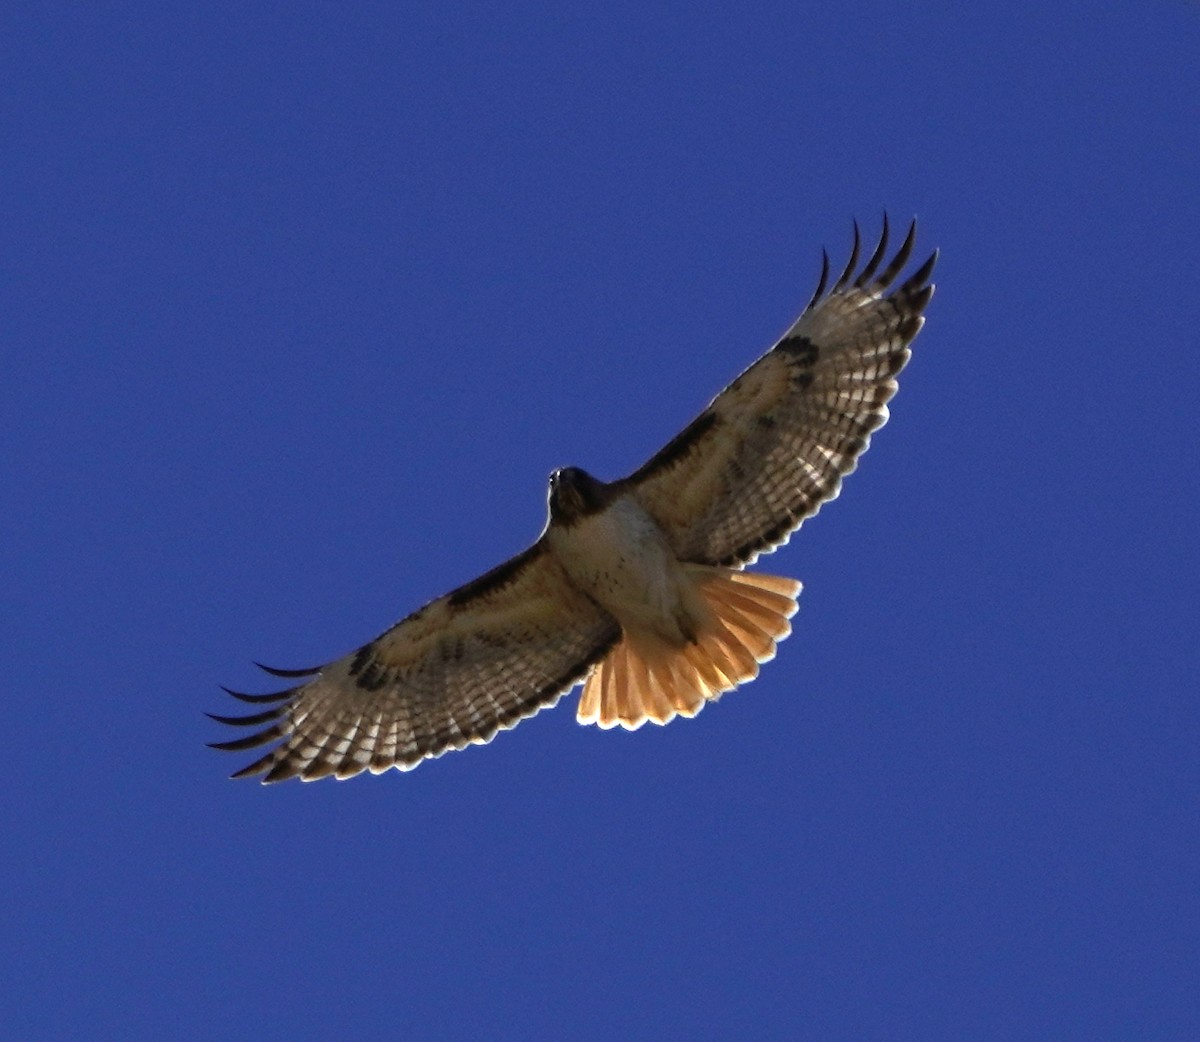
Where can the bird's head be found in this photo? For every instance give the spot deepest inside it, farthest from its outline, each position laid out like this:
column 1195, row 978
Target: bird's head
column 574, row 494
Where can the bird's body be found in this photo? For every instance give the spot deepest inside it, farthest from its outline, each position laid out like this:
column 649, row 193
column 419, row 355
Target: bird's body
column 620, row 558
column 689, row 632
column 635, row 587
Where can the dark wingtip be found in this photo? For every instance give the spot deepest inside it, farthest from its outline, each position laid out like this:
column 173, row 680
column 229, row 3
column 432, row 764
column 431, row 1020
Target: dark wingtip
column 851, row 264
column 822, row 283
column 888, row 276
column 289, row 674
column 257, row 767
column 251, row 719
column 917, row 301
column 920, row 277
column 273, row 696
column 250, row 741
column 872, row 266
column 281, row 771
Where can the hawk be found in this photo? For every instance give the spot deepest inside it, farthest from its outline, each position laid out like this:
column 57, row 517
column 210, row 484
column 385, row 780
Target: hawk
column 635, row 587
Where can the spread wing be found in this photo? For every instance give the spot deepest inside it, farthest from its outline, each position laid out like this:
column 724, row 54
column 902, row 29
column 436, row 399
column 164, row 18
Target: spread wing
column 453, row 673
column 775, row 444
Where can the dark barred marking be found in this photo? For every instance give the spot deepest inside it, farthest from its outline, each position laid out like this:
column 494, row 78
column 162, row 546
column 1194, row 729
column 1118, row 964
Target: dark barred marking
column 367, row 670
column 801, row 349
column 843, row 425
column 428, row 739
column 496, row 579
column 361, row 657
column 451, row 650
column 443, row 736
column 748, row 550
column 846, row 428
column 677, row 448
column 576, row 672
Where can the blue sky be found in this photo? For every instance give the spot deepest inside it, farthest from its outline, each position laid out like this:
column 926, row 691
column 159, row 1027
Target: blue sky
column 303, row 302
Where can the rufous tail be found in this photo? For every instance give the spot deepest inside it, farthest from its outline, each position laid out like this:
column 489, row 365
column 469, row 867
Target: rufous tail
column 645, row 678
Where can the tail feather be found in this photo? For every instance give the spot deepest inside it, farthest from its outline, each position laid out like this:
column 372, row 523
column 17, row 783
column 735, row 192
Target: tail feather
column 665, row 685
column 630, row 679
column 753, row 637
column 646, row 678
column 670, row 684
column 708, row 672
column 745, row 666
column 617, row 666
column 651, row 701
column 687, row 693
column 770, row 603
column 770, row 618
column 589, row 701
column 781, row 585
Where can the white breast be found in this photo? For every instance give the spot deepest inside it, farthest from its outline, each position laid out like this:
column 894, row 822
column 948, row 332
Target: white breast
column 620, row 558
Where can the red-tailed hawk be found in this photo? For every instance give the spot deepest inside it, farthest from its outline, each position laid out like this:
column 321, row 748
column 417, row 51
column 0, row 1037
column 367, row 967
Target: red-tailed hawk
column 634, row 587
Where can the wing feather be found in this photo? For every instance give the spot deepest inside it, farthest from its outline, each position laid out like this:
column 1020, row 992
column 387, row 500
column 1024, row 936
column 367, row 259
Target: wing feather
column 466, row 665
column 776, row 443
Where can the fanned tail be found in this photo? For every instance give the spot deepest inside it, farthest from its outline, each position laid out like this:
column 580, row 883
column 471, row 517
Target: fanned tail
column 646, row 678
